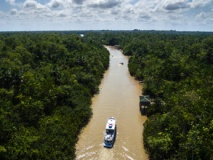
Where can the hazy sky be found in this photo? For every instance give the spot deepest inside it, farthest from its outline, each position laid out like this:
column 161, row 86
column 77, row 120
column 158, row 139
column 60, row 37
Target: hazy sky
column 30, row 15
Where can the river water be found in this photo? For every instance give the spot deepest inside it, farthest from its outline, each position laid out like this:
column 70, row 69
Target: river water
column 118, row 97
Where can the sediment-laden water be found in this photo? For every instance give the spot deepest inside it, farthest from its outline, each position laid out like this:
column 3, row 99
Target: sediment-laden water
column 118, row 97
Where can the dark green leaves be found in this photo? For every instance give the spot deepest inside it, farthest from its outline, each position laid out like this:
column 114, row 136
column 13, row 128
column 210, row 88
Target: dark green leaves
column 46, row 84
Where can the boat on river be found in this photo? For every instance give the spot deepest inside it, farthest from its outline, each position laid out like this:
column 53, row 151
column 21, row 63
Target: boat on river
column 110, row 132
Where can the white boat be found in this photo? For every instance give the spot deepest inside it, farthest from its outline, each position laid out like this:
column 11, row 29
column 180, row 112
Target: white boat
column 110, row 132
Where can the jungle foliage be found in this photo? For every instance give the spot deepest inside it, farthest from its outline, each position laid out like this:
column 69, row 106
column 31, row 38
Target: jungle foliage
column 176, row 69
column 47, row 81
column 177, row 72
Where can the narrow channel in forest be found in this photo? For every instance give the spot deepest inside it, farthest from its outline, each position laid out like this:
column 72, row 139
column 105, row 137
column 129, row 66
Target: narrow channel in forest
column 118, row 97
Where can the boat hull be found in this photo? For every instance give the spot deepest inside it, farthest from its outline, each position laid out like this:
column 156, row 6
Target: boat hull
column 108, row 145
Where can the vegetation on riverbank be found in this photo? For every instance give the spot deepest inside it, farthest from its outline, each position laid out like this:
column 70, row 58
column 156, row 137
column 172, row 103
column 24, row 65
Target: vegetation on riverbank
column 47, row 81
column 177, row 72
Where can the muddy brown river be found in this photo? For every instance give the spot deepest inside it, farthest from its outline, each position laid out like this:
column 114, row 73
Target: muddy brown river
column 118, row 97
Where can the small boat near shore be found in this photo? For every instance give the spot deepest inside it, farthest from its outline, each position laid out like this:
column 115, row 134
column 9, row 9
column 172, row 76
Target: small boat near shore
column 110, row 132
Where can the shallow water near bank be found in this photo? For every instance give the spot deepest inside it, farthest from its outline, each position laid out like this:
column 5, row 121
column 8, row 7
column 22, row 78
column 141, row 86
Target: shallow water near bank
column 118, row 97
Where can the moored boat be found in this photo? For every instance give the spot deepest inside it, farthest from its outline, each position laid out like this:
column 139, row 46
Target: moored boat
column 110, row 132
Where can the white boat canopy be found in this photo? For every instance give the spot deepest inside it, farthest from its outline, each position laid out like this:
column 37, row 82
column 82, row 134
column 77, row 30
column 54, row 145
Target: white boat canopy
column 111, row 124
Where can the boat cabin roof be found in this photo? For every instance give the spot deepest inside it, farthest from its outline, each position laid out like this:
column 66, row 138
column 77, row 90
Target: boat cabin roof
column 111, row 123
column 145, row 100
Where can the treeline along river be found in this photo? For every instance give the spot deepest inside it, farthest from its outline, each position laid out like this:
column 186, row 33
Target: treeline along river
column 48, row 91
column 47, row 81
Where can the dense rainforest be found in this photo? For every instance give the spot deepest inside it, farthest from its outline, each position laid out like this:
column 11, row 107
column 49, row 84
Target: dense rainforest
column 47, row 81
column 176, row 69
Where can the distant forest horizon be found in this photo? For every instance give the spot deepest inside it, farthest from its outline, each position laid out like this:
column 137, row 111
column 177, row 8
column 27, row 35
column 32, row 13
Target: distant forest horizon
column 108, row 30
